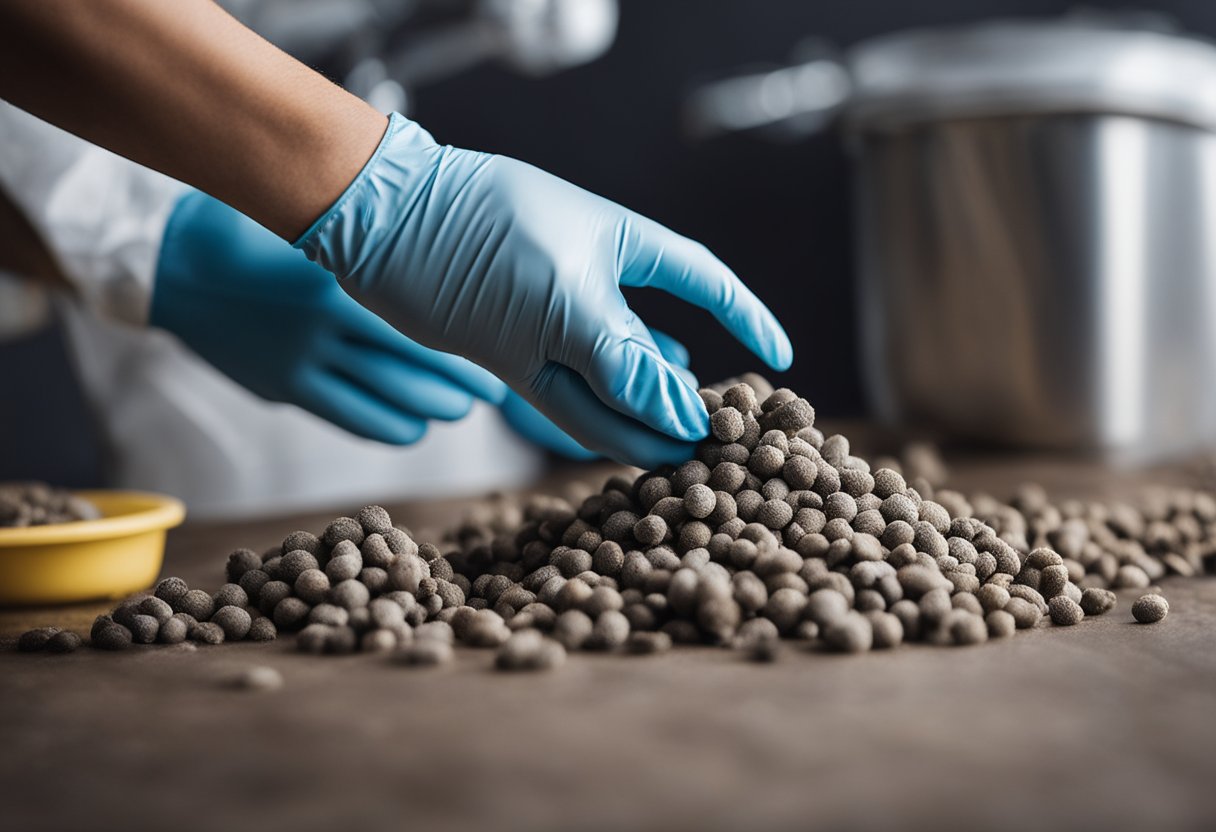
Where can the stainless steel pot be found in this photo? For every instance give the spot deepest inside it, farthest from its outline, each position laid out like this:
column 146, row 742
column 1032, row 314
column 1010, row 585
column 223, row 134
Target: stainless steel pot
column 1037, row 231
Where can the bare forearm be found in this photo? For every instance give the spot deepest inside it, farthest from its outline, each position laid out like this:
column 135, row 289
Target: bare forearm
column 184, row 88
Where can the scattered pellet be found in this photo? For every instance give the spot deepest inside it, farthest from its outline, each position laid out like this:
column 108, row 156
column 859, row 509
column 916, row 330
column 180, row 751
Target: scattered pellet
column 257, row 678
column 64, row 641
column 1149, row 609
column 31, row 641
column 529, row 650
column 425, row 652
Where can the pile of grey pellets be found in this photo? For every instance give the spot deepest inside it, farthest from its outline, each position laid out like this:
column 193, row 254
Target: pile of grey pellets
column 774, row 535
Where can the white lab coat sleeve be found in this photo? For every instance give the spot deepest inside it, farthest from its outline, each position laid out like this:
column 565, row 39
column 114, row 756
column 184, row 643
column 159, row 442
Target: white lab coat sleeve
column 101, row 216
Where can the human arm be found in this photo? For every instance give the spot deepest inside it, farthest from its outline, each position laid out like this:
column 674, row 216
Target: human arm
column 182, row 87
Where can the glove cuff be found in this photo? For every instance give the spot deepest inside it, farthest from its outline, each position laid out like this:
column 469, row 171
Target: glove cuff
column 403, row 162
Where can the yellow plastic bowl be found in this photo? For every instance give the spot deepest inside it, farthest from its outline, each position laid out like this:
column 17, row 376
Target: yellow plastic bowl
column 116, row 555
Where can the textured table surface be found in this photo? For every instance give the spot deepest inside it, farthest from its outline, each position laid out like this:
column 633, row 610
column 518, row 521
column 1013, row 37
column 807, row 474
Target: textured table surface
column 1106, row 725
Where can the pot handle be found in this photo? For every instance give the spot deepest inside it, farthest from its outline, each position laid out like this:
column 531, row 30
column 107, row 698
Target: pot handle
column 791, row 101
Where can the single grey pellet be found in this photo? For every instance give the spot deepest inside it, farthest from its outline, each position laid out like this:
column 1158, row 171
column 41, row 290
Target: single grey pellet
column 170, row 589
column 378, row 641
column 1025, row 614
column 644, row 643
column 572, row 628
column 64, row 641
column 965, row 628
column 257, row 678
column 290, row 613
column 888, row 630
column 374, row 520
column 1096, row 601
column 1064, row 611
column 230, row 595
column 111, row 636
column 850, row 633
column 234, row 621
column 144, row 629
column 195, row 603
column 1149, row 609
column 157, row 608
column 610, row 631
column 262, row 629
column 437, row 631
column 312, row 638
column 529, row 650
column 175, row 630
column 207, row 633
column 425, row 652
column 1001, row 624
column 32, row 641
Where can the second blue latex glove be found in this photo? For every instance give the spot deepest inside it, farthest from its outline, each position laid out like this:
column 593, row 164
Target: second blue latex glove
column 534, row 426
column 265, row 316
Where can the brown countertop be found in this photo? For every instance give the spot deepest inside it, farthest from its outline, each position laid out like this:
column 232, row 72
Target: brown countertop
column 1106, row 725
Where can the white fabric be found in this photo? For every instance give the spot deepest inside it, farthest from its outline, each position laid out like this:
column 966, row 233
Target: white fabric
column 101, row 215
column 176, row 425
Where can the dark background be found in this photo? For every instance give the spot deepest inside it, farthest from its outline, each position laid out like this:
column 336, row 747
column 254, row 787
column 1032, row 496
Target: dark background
column 777, row 213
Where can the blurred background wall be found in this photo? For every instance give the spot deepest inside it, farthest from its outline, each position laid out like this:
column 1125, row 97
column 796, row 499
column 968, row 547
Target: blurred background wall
column 778, row 213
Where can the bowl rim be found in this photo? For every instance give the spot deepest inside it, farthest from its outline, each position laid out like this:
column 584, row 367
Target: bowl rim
column 153, row 512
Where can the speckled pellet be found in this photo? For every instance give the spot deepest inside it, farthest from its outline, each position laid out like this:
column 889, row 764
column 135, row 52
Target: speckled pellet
column 230, row 595
column 207, row 632
column 157, row 608
column 234, row 621
column 290, row 614
column 64, row 641
column 111, row 636
column 850, row 633
column 176, row 629
column 344, row 528
column 529, row 650
column 31, row 641
column 195, row 603
column 262, row 629
column 1097, row 601
column 349, row 594
column 241, row 561
column 425, row 653
column 1149, row 609
column 648, row 643
column 1064, row 611
column 1000, row 623
column 726, row 424
column 374, row 520
column 258, row 678
column 610, row 631
column 888, row 630
column 143, row 628
column 171, row 588
column 304, row 540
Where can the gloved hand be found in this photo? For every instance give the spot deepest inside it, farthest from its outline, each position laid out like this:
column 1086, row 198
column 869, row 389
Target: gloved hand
column 534, row 426
column 268, row 318
column 498, row 261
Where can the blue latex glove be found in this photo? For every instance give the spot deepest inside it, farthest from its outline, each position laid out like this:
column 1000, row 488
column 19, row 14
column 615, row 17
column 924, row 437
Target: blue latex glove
column 259, row 311
column 531, row 424
column 522, row 272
